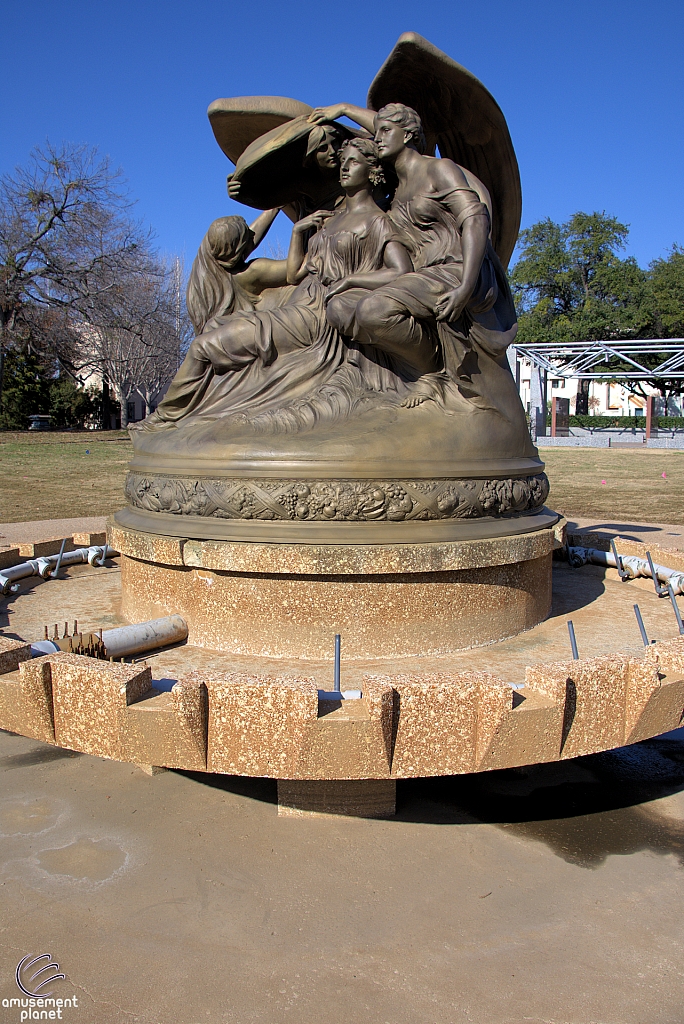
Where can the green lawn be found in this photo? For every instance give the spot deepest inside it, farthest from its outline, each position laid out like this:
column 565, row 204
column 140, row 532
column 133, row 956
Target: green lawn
column 59, row 476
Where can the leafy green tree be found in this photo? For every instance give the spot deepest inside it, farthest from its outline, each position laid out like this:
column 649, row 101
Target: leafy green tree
column 666, row 296
column 70, row 405
column 571, row 284
column 26, row 390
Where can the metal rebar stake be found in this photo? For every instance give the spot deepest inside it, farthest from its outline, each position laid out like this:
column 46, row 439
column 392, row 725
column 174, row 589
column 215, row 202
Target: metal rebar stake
column 678, row 614
column 644, row 634
column 618, row 562
column 54, row 572
column 336, row 685
column 660, row 591
column 573, row 641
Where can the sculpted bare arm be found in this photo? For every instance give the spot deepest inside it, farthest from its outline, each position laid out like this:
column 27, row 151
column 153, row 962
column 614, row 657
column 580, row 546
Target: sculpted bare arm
column 396, row 261
column 261, row 225
column 445, row 174
column 362, row 116
column 263, row 273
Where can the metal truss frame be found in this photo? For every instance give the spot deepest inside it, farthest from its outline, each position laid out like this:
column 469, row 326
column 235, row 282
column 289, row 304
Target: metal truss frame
column 591, row 360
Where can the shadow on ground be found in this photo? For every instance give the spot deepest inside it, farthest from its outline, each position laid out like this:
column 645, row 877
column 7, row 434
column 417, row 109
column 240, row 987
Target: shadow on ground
column 622, row 529
column 568, row 596
column 584, row 809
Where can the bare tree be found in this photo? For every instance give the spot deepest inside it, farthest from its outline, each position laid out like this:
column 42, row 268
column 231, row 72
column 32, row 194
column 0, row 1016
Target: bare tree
column 65, row 235
column 132, row 338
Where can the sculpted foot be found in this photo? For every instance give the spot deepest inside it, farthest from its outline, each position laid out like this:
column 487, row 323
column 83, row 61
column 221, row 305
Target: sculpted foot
column 429, row 388
column 153, row 422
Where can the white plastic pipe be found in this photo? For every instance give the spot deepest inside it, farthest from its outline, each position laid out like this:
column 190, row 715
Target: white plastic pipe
column 630, row 564
column 45, row 566
column 340, row 695
column 126, row 640
column 144, row 636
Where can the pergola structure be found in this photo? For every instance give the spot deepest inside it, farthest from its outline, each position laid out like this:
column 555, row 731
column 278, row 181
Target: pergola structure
column 597, row 360
column 593, row 360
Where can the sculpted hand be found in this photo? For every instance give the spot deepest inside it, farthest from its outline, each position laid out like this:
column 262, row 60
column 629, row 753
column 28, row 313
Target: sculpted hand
column 313, row 222
column 233, row 187
column 321, row 115
column 451, row 305
column 341, row 286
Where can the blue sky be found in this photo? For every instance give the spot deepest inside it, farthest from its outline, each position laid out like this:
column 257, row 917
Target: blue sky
column 592, row 92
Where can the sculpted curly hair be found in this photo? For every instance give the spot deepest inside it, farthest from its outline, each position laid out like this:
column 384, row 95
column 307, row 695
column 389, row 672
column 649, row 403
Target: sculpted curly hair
column 407, row 117
column 368, row 149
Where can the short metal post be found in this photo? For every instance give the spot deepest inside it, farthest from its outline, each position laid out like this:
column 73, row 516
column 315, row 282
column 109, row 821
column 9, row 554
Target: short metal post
column 618, row 562
column 650, row 431
column 573, row 641
column 336, row 686
column 644, row 634
column 660, row 591
column 59, row 560
column 678, row 614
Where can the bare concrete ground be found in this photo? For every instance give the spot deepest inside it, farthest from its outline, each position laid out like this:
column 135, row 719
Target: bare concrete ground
column 49, row 529
column 548, row 895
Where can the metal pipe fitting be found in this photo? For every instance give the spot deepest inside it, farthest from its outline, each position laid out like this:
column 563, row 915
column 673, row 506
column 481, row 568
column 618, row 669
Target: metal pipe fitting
column 631, row 566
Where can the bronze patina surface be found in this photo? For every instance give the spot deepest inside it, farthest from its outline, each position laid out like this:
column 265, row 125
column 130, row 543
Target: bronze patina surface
column 358, row 391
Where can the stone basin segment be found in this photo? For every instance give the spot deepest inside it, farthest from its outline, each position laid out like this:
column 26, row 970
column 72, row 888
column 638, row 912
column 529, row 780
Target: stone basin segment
column 405, row 725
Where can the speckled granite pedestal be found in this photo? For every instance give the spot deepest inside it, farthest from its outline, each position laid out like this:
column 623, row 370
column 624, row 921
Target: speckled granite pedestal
column 387, row 600
column 288, row 600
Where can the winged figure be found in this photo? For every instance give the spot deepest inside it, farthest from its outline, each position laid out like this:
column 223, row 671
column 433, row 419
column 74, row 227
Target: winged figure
column 461, row 120
column 426, row 318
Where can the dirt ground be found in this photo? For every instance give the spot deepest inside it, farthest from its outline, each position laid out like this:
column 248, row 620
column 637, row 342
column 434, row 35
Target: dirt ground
column 644, row 486
column 63, row 475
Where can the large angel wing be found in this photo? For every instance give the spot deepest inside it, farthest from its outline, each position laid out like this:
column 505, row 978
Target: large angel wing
column 460, row 117
column 238, row 121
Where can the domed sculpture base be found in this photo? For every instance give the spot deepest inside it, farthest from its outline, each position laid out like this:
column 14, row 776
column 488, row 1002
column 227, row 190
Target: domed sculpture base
column 387, row 475
column 387, row 600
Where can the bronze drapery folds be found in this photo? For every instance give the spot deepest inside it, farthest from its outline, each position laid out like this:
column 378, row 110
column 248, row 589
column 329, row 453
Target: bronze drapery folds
column 378, row 347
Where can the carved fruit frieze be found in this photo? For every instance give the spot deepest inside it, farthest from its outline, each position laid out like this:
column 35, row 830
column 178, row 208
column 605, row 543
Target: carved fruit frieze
column 343, row 500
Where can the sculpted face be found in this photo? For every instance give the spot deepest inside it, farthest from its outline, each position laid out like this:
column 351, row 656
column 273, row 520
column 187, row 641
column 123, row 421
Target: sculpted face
column 354, row 169
column 390, row 138
column 326, row 156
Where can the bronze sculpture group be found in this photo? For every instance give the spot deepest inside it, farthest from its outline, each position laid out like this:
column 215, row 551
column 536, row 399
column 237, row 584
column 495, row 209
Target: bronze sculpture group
column 391, row 291
column 369, row 367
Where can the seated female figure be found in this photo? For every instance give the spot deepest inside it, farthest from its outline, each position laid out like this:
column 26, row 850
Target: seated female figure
column 352, row 252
